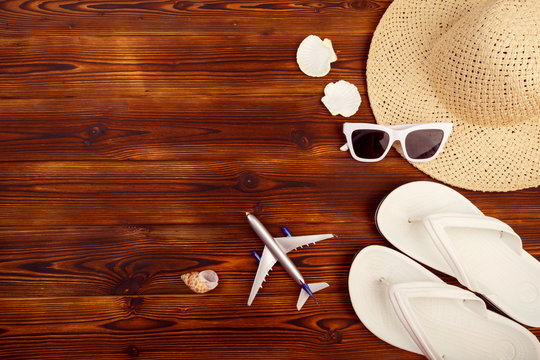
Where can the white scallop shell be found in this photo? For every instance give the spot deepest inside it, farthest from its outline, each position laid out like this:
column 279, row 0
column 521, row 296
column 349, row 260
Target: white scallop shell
column 342, row 98
column 201, row 282
column 315, row 55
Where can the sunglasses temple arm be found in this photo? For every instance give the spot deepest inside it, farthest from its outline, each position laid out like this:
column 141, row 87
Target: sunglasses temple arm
column 345, row 147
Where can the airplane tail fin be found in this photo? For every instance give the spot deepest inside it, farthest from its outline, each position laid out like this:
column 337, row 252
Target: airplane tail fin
column 304, row 295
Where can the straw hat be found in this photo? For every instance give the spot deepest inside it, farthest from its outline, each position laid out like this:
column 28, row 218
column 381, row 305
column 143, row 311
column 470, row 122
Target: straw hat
column 475, row 63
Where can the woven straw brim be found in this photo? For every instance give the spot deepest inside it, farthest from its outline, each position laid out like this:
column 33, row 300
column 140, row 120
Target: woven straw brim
column 476, row 157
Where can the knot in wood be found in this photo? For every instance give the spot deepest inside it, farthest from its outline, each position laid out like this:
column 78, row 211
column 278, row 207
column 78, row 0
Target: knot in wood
column 331, row 337
column 96, row 130
column 132, row 351
column 129, row 286
column 134, row 304
column 257, row 209
column 249, row 181
column 333, row 329
column 301, row 139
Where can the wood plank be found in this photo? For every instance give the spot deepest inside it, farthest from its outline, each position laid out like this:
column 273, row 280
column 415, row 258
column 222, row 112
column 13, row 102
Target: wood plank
column 143, row 260
column 184, row 327
column 78, row 261
column 184, row 66
column 161, row 129
column 148, row 260
column 109, row 193
column 180, row 18
column 194, row 191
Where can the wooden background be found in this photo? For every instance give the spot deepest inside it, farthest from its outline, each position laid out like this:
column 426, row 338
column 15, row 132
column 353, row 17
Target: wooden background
column 133, row 137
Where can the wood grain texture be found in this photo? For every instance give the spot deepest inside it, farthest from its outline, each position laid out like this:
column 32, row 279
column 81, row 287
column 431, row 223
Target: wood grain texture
column 133, row 137
column 165, row 129
column 148, row 260
column 158, row 17
column 184, row 66
column 177, row 327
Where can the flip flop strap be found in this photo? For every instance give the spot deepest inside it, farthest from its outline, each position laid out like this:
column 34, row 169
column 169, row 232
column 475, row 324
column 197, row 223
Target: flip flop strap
column 436, row 225
column 400, row 298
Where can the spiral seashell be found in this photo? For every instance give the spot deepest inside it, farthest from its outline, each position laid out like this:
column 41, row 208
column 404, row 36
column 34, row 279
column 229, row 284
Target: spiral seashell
column 342, row 98
column 201, row 282
column 315, row 55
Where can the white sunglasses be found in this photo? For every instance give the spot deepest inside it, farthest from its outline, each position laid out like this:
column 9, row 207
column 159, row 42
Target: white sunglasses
column 371, row 142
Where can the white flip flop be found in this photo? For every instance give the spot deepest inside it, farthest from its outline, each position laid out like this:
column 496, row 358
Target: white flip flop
column 439, row 227
column 409, row 307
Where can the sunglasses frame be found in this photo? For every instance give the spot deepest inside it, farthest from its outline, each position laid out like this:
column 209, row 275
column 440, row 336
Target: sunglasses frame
column 395, row 133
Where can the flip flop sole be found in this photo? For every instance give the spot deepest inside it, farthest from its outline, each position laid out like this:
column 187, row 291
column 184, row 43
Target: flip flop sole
column 454, row 330
column 509, row 280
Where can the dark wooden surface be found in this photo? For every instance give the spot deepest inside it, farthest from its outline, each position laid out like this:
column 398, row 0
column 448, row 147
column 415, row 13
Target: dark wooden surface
column 133, row 137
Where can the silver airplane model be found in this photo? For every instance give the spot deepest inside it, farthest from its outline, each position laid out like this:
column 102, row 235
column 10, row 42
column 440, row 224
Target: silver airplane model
column 275, row 250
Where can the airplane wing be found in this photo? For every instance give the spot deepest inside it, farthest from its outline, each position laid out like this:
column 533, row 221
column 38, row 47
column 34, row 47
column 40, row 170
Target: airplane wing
column 290, row 243
column 265, row 265
column 268, row 260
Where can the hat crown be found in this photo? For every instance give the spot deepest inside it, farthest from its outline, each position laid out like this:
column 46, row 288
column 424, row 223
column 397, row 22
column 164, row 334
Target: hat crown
column 486, row 67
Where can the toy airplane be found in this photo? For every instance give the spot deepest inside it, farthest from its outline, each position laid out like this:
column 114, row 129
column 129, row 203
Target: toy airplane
column 275, row 250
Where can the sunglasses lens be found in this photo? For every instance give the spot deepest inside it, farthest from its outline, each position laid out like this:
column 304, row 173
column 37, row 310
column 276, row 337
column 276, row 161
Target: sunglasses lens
column 369, row 144
column 423, row 144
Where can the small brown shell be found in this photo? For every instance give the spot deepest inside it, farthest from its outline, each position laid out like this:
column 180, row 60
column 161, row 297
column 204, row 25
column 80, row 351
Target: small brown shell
column 201, row 282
